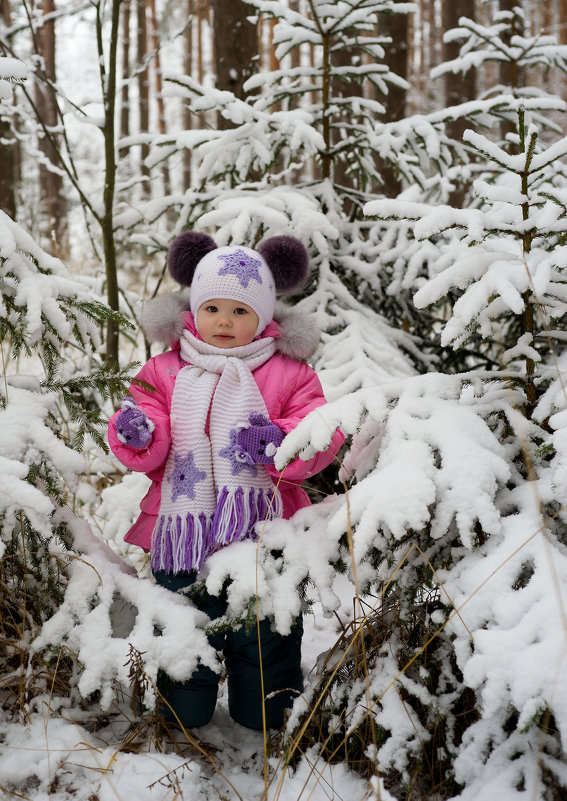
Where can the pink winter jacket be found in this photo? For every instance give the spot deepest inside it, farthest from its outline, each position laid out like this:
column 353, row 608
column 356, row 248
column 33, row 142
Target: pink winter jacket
column 290, row 388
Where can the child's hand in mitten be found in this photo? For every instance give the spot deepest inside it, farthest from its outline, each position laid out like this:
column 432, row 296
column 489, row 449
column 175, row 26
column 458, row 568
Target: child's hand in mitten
column 260, row 440
column 133, row 427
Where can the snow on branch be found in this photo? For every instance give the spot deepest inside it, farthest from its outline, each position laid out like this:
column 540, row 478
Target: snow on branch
column 438, row 460
column 359, row 348
column 12, row 71
column 25, row 439
column 501, row 253
column 164, row 627
column 247, row 215
column 493, row 43
column 38, row 285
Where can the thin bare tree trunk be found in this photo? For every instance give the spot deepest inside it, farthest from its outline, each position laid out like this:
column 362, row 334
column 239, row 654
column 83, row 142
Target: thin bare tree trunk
column 396, row 26
column 9, row 149
column 108, row 84
column 125, row 92
column 143, row 88
column 562, row 36
column 187, row 116
column 161, row 119
column 52, row 198
column 274, row 63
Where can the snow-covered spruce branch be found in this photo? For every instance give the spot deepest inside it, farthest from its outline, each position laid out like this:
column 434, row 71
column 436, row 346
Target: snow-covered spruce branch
column 430, row 221
column 359, row 348
column 25, row 440
column 407, row 456
column 504, row 255
column 166, row 629
column 486, row 43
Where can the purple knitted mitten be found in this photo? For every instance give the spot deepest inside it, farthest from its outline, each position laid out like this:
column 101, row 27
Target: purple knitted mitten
column 260, row 439
column 133, row 427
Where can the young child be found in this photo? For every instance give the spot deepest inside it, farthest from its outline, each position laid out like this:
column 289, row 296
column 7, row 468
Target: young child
column 233, row 384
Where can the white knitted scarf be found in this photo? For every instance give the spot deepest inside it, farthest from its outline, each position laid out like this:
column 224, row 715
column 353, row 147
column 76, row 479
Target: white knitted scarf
column 210, row 496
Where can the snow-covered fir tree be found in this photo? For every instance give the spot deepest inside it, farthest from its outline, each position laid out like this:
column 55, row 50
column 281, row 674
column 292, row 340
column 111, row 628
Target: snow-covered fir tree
column 455, row 521
column 433, row 165
column 59, row 584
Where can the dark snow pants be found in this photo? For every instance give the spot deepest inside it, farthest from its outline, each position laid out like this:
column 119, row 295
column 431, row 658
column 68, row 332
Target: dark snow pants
column 194, row 700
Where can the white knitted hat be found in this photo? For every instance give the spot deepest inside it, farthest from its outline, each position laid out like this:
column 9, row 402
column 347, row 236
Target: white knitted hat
column 236, row 273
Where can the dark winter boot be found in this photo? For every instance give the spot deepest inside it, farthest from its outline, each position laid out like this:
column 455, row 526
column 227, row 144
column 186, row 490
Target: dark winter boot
column 281, row 669
column 192, row 702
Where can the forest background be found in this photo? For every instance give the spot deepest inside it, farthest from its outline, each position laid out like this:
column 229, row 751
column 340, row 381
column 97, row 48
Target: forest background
column 417, row 150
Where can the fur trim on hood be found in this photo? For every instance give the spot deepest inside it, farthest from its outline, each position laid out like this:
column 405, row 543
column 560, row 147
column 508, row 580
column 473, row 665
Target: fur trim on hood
column 162, row 320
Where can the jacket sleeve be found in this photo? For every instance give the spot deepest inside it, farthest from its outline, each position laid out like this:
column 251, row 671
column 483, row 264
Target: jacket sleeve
column 156, row 405
column 305, row 395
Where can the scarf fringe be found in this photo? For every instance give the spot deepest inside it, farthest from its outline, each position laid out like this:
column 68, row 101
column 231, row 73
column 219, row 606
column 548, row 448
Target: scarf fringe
column 182, row 544
column 179, row 543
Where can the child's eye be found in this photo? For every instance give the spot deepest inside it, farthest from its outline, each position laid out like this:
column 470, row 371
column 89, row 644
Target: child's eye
column 239, row 310
column 212, row 309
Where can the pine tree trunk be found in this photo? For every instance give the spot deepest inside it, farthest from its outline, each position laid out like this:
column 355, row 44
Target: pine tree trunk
column 125, row 91
column 9, row 148
column 143, row 88
column 340, row 88
column 202, row 15
column 418, row 56
column 235, row 44
column 510, row 74
column 53, row 202
column 187, row 115
column 161, row 120
column 108, row 83
column 396, row 26
column 459, row 87
column 295, row 54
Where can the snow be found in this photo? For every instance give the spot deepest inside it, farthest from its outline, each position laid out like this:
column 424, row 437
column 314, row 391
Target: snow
column 11, row 70
column 445, row 484
column 57, row 752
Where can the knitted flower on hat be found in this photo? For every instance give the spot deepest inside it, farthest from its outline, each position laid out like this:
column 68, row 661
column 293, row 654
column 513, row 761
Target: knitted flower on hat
column 237, row 273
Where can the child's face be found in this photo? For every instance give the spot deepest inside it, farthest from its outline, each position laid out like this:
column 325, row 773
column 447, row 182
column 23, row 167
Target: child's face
column 226, row 323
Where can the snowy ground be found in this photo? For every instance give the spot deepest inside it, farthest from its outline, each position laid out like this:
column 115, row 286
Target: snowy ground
column 56, row 758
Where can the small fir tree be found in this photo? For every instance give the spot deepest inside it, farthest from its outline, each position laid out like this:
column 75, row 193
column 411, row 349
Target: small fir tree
column 454, row 525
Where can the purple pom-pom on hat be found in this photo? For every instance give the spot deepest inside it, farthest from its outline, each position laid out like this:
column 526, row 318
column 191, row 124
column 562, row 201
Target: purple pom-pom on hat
column 288, row 261
column 185, row 253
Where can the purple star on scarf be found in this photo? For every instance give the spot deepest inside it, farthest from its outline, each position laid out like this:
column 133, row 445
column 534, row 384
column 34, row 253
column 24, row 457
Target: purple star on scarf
column 243, row 266
column 184, row 476
column 237, row 457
